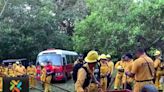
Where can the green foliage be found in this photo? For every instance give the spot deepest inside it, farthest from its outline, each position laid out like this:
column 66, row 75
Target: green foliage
column 118, row 26
column 30, row 26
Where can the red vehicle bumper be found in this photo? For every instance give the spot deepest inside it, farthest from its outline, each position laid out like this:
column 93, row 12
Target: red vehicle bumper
column 58, row 78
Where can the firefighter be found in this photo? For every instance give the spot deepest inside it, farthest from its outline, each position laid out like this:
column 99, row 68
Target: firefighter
column 85, row 73
column 43, row 75
column 48, row 71
column 162, row 77
column 157, row 66
column 104, row 71
column 31, row 71
column 126, row 80
column 20, row 69
column 142, row 70
column 80, row 60
column 1, row 76
column 10, row 71
column 120, row 71
column 111, row 65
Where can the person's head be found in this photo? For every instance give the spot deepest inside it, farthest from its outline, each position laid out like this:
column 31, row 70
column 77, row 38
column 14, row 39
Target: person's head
column 30, row 64
column 157, row 54
column 139, row 52
column 108, row 57
column 80, row 57
column 17, row 62
column 91, row 58
column 10, row 65
column 128, row 57
column 103, row 58
column 20, row 64
column 49, row 63
column 123, row 57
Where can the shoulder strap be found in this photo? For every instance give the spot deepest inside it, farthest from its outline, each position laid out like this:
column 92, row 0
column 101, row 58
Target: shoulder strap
column 85, row 69
column 149, row 68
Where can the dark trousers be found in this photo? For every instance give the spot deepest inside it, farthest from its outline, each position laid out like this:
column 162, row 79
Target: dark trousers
column 128, row 86
column 108, row 80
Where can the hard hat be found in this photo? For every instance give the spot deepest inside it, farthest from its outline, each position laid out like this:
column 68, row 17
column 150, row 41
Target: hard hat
column 102, row 56
column 157, row 53
column 119, row 67
column 91, row 57
column 108, row 56
column 17, row 62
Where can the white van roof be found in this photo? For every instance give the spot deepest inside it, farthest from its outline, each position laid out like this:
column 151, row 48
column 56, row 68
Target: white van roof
column 58, row 51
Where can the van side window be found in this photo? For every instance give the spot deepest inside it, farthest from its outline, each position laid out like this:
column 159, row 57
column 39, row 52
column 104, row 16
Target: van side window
column 64, row 61
column 70, row 59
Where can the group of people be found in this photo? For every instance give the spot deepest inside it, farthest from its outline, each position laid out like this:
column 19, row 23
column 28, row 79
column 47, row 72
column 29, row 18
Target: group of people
column 18, row 70
column 141, row 74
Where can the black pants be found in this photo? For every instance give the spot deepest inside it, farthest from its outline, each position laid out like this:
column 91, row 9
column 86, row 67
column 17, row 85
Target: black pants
column 108, row 80
column 128, row 86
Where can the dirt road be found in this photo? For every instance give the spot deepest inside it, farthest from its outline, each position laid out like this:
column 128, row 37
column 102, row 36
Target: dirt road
column 69, row 85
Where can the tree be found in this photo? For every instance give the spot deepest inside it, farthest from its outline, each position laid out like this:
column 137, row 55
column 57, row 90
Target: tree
column 28, row 27
column 118, row 27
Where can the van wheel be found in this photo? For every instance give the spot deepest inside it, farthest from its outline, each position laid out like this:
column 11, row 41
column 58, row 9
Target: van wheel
column 149, row 88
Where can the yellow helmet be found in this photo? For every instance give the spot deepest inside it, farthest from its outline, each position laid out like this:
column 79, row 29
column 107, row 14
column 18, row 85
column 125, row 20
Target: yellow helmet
column 119, row 67
column 91, row 57
column 17, row 62
column 157, row 53
column 108, row 56
column 102, row 56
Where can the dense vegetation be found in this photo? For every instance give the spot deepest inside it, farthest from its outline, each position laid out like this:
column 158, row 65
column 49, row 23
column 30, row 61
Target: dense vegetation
column 113, row 26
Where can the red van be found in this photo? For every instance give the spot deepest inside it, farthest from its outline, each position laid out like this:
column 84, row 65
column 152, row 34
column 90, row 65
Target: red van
column 62, row 62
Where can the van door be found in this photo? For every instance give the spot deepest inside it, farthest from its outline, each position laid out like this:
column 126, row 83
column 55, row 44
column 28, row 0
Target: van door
column 69, row 65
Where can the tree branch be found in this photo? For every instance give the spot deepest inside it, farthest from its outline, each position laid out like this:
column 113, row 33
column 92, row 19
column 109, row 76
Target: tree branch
column 3, row 7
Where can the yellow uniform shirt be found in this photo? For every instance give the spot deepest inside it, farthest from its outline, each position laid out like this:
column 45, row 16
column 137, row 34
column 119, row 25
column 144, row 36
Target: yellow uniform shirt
column 20, row 70
column 141, row 70
column 104, row 69
column 11, row 72
column 81, row 76
column 157, row 64
column 128, row 68
column 111, row 66
column 31, row 70
column 43, row 75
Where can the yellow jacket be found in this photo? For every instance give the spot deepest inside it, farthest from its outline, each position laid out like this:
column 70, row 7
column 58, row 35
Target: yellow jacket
column 81, row 76
column 20, row 70
column 104, row 69
column 43, row 75
column 5, row 71
column 2, row 70
column 11, row 72
column 111, row 67
column 128, row 67
column 157, row 64
column 31, row 70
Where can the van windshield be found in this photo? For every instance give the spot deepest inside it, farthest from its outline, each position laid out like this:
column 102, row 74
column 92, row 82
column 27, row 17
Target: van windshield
column 54, row 58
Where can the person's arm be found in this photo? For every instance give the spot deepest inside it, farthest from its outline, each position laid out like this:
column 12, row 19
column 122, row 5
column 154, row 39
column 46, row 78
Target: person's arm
column 80, row 80
column 134, row 69
column 156, row 64
column 112, row 67
column 28, row 70
column 35, row 70
column 117, row 64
